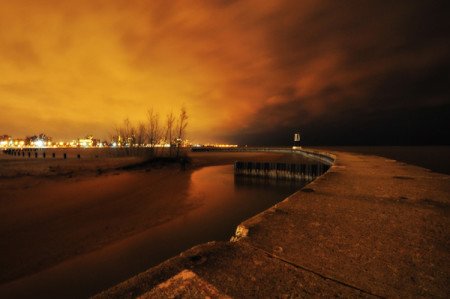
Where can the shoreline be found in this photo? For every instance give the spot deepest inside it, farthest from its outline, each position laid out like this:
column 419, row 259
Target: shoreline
column 310, row 243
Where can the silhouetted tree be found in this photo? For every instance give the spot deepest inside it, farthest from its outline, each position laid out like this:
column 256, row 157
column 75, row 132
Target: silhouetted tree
column 170, row 120
column 153, row 129
column 140, row 134
column 132, row 137
column 181, row 127
column 126, row 136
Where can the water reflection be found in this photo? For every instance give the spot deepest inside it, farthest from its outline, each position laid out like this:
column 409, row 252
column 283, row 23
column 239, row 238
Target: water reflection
column 227, row 200
column 264, row 182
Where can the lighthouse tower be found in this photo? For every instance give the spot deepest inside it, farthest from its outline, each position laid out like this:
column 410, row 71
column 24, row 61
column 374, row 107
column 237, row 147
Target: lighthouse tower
column 296, row 141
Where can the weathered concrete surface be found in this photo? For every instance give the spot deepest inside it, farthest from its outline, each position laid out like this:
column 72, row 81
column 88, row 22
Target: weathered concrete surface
column 235, row 270
column 369, row 227
column 184, row 284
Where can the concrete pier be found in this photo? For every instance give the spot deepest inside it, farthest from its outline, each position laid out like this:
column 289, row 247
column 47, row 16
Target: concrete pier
column 369, row 227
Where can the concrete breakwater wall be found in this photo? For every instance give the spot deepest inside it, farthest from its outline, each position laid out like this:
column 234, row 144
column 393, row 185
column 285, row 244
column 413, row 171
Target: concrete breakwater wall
column 317, row 156
column 284, row 171
column 320, row 157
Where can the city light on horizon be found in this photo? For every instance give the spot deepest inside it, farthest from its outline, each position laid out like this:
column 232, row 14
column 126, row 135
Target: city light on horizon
column 8, row 142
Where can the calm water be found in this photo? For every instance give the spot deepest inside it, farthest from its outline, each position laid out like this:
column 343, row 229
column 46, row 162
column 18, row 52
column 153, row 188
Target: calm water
column 436, row 158
column 221, row 202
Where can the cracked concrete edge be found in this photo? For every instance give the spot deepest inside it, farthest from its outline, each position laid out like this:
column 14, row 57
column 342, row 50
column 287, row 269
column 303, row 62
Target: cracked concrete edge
column 147, row 280
column 185, row 284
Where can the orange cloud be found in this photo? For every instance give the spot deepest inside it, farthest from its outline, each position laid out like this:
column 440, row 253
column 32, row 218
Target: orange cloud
column 89, row 64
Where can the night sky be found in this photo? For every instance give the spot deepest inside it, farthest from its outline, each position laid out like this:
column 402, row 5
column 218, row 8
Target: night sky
column 248, row 72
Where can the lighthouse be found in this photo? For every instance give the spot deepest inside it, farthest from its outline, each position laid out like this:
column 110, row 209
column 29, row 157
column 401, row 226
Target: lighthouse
column 296, row 141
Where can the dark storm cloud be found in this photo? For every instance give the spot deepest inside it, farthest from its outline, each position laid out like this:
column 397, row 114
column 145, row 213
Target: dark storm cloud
column 248, row 71
column 359, row 72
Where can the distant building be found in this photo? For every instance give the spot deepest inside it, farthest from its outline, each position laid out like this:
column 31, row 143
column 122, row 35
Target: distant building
column 4, row 140
column 88, row 141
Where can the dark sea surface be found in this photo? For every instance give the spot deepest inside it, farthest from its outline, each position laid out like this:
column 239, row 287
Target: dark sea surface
column 435, row 158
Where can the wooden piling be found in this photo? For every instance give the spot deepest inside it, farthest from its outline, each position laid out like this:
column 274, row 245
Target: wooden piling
column 290, row 171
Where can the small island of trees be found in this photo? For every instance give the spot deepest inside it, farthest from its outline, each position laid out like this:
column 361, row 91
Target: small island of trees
column 162, row 138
